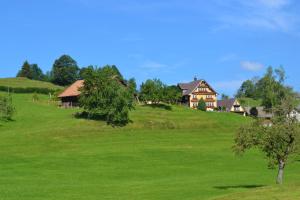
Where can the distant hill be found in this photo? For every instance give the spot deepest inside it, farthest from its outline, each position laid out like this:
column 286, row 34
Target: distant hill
column 25, row 85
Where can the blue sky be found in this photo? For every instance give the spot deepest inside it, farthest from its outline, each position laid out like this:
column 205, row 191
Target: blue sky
column 224, row 42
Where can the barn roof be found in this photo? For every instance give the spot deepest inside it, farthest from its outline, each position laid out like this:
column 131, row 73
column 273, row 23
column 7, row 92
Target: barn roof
column 73, row 90
column 227, row 103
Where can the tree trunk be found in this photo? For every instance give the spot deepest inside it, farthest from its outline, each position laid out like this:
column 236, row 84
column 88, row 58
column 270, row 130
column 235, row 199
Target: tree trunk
column 281, row 166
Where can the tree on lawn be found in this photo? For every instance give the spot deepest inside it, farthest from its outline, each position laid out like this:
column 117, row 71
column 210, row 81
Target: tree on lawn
column 105, row 94
column 25, row 71
column 278, row 140
column 152, row 91
column 65, row 70
column 201, row 105
column 6, row 107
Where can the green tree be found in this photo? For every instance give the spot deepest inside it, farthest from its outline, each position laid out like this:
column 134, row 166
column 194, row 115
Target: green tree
column 25, row 71
column 271, row 88
column 152, row 90
column 65, row 70
column 36, row 73
column 201, row 105
column 172, row 94
column 105, row 95
column 278, row 140
column 247, row 89
column 6, row 107
column 85, row 71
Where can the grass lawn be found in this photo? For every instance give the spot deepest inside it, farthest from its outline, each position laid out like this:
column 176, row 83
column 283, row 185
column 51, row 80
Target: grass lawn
column 46, row 153
column 25, row 83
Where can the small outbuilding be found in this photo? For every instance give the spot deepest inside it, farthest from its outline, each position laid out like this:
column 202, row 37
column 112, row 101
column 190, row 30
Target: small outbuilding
column 231, row 105
column 70, row 96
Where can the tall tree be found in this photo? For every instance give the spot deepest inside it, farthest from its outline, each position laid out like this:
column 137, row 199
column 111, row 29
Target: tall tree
column 103, row 94
column 25, row 70
column 36, row 72
column 65, row 70
column 278, row 140
column 247, row 89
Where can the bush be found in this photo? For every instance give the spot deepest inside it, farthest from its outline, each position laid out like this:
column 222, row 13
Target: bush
column 201, row 105
column 6, row 108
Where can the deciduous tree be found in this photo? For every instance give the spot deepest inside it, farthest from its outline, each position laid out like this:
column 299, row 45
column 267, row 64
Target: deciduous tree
column 278, row 140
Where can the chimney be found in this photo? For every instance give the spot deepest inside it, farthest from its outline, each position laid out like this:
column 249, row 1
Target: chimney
column 195, row 78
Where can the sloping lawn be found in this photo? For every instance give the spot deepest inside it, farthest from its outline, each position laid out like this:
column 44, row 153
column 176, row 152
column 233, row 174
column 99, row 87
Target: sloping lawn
column 46, row 153
column 27, row 83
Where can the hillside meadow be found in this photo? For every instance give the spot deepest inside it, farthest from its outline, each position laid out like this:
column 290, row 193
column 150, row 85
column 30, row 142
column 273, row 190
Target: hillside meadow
column 47, row 153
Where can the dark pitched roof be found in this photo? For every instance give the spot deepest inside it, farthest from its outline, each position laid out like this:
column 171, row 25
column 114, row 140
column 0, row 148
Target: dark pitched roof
column 188, row 88
column 227, row 103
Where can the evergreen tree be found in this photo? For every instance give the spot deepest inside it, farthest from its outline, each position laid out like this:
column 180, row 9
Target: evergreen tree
column 25, row 71
column 201, row 105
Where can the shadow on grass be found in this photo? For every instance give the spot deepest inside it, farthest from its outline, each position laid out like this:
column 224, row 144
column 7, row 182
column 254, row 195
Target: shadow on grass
column 238, row 187
column 160, row 106
column 97, row 117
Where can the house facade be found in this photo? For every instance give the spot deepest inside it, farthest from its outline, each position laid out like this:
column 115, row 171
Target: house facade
column 231, row 105
column 196, row 90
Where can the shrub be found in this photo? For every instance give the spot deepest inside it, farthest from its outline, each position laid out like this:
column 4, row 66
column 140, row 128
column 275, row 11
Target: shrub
column 6, row 108
column 201, row 105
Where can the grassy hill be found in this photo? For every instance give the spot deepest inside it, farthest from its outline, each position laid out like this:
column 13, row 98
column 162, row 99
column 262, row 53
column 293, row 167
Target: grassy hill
column 46, row 153
column 24, row 83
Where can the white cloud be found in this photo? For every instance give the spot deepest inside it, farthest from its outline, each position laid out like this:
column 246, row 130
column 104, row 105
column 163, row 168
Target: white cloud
column 251, row 66
column 152, row 65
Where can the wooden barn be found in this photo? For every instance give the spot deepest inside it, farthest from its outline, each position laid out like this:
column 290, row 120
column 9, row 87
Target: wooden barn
column 70, row 96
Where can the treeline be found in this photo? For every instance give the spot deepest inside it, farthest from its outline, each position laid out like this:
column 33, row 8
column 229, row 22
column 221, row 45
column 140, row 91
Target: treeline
column 64, row 71
column 270, row 88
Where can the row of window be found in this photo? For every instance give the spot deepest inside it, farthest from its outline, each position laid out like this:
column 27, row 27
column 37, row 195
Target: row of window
column 207, row 96
column 208, row 104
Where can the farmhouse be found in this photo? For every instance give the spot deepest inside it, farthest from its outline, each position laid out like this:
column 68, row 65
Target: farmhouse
column 231, row 105
column 198, row 89
column 70, row 97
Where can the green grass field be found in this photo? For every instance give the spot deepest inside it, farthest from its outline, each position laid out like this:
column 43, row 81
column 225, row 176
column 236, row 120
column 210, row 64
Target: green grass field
column 46, row 153
column 25, row 83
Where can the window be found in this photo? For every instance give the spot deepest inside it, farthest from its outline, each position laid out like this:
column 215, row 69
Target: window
column 194, row 96
column 209, row 96
column 209, row 104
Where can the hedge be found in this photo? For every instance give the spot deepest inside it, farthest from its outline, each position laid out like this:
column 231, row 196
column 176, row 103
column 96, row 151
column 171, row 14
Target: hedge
column 29, row 90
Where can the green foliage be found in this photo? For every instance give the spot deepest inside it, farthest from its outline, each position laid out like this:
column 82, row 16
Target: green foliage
column 201, row 105
column 31, row 71
column 6, row 107
column 25, row 71
column 247, row 89
column 278, row 139
column 85, row 71
column 172, row 94
column 152, row 91
column 65, row 71
column 105, row 94
column 35, row 97
column 270, row 88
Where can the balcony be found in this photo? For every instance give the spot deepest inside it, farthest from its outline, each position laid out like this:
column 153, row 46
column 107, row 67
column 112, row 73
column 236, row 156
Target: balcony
column 194, row 100
column 204, row 93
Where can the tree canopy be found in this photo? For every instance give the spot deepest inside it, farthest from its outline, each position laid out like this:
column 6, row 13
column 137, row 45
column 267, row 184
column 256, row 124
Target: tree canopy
column 201, row 105
column 270, row 88
column 31, row 71
column 105, row 94
column 6, row 107
column 65, row 70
